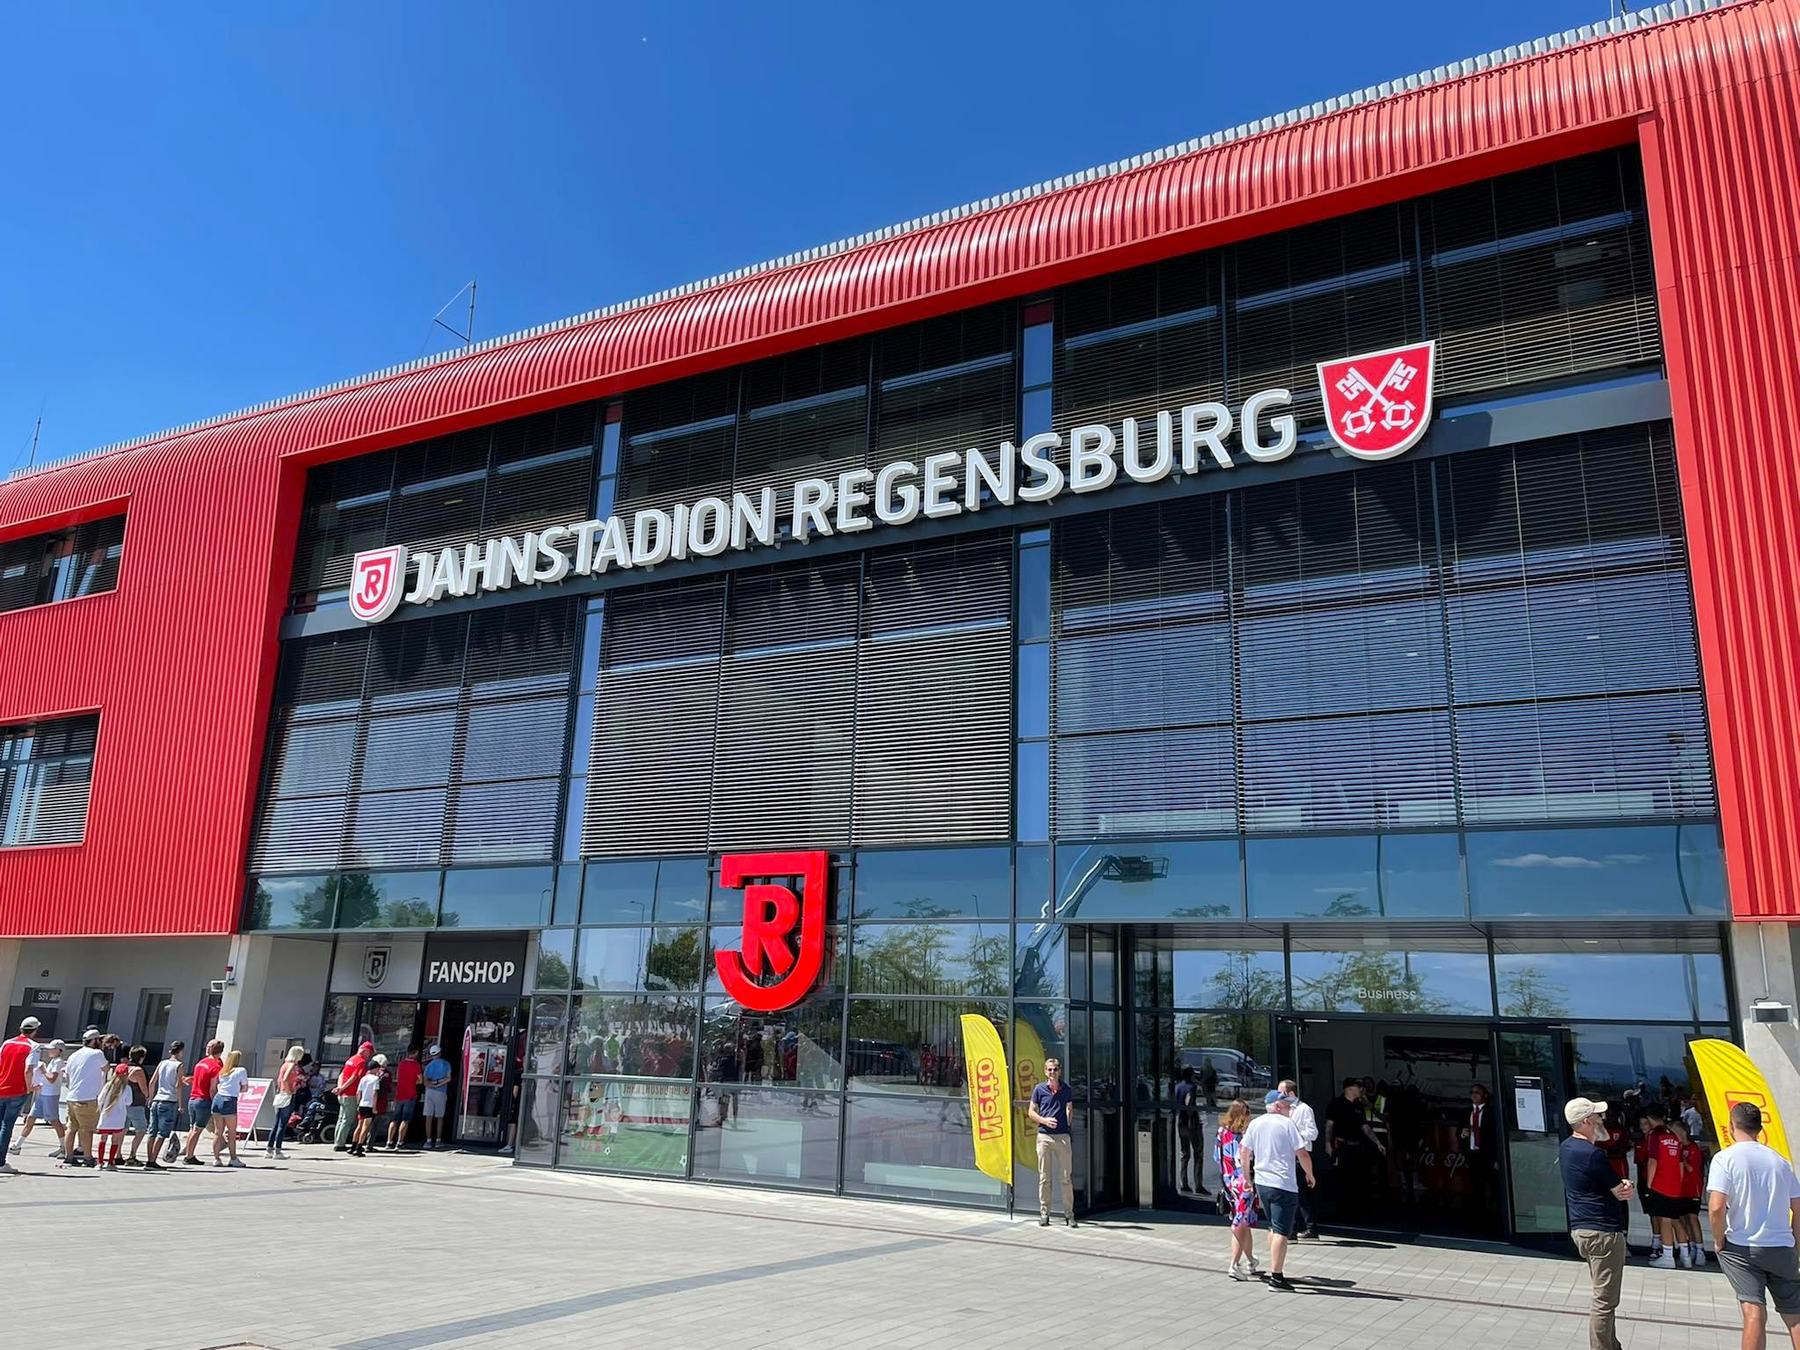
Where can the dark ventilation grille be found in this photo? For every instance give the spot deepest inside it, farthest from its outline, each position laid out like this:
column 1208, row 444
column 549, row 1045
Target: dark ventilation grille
column 679, row 440
column 66, row 564
column 1487, row 638
column 1140, row 341
column 515, row 476
column 934, row 694
column 45, row 772
column 423, row 744
column 657, row 695
column 1540, row 275
column 945, row 386
column 805, row 416
column 865, row 701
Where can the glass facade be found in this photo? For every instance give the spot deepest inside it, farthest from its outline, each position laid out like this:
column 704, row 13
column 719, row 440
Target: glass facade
column 1394, row 770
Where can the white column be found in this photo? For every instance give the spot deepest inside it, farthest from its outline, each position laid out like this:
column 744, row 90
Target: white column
column 240, row 1010
column 11, row 949
column 1773, row 1046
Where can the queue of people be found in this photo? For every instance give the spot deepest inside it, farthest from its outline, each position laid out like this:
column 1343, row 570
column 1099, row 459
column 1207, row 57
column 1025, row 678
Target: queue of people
column 111, row 1110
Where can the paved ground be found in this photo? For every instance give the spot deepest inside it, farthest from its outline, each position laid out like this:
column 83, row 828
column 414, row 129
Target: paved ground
column 450, row 1251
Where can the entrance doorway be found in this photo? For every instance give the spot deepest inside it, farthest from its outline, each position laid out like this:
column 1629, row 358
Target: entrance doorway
column 1410, row 1122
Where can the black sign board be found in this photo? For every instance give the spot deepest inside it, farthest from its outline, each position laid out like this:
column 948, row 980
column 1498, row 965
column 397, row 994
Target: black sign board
column 473, row 966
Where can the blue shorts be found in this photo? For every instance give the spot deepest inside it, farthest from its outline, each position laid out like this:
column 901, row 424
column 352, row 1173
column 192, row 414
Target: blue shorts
column 137, row 1119
column 403, row 1111
column 44, row 1106
column 200, row 1112
column 1282, row 1208
column 162, row 1118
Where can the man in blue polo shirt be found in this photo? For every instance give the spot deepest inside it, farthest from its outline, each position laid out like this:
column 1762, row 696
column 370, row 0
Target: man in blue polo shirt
column 1595, row 1200
column 1049, row 1110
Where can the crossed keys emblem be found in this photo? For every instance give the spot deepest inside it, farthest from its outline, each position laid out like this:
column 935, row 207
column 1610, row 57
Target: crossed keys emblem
column 1378, row 417
column 1396, row 414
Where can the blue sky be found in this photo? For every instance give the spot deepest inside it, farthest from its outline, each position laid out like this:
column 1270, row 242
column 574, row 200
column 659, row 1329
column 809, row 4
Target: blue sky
column 205, row 207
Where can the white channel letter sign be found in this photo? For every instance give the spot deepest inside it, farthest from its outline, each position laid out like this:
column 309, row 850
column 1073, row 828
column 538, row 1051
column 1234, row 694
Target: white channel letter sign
column 1377, row 406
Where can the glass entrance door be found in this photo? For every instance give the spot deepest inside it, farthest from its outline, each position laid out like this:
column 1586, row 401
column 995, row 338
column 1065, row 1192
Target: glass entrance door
column 1534, row 1083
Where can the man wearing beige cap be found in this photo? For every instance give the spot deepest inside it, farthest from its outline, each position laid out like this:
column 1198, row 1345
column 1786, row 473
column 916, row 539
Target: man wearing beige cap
column 1595, row 1199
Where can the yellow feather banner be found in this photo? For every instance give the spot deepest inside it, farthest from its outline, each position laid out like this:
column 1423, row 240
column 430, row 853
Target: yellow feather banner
column 1727, row 1076
column 990, row 1110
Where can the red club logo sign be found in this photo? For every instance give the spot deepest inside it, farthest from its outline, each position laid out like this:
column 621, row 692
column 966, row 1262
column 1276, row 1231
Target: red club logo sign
column 1379, row 404
column 377, row 580
column 784, row 933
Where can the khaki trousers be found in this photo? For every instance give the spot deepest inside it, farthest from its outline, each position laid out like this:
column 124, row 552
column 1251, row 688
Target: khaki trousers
column 1605, row 1255
column 1058, row 1151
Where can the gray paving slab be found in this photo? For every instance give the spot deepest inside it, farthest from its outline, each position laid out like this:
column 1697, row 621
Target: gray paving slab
column 445, row 1252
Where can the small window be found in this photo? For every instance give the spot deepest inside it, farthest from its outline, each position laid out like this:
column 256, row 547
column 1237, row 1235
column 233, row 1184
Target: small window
column 45, row 771
column 65, row 564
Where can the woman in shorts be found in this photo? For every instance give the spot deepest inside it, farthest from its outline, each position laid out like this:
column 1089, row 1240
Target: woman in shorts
column 137, row 1113
column 232, row 1077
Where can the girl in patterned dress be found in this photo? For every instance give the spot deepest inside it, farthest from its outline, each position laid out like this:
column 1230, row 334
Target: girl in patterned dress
column 1232, row 1185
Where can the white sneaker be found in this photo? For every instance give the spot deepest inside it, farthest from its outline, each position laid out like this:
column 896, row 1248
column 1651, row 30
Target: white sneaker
column 1666, row 1261
column 1235, row 1270
column 1681, row 1256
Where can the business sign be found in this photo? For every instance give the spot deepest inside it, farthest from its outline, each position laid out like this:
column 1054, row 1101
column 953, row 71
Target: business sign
column 784, row 931
column 1378, row 406
column 474, row 966
column 250, row 1103
column 990, row 1104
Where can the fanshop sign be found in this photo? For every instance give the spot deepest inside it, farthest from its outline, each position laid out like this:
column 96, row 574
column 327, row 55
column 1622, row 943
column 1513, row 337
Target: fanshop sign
column 1377, row 406
column 474, row 966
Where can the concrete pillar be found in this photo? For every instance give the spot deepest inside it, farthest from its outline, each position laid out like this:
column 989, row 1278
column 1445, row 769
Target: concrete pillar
column 240, row 1009
column 1773, row 1046
column 11, row 949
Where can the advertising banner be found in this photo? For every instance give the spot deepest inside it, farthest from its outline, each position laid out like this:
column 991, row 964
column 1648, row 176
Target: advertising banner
column 250, row 1102
column 1727, row 1076
column 990, row 1111
column 1028, row 1073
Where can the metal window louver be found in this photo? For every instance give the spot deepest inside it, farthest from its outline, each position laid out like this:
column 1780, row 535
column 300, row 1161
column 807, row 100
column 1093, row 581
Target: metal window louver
column 40, row 569
column 45, row 772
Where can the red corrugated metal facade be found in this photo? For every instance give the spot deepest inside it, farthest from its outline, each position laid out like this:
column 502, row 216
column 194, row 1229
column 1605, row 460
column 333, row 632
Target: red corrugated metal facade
column 179, row 659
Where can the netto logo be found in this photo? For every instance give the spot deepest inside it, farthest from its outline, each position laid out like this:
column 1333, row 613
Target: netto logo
column 989, row 1095
column 1379, row 404
column 784, row 933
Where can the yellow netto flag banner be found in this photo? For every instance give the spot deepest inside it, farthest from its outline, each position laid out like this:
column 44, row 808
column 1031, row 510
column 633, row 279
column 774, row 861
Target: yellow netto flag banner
column 1028, row 1073
column 990, row 1113
column 1727, row 1076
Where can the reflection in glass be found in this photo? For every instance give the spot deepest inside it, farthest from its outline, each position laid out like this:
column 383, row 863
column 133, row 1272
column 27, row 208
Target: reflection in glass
column 565, row 908
column 910, row 1045
column 290, row 902
column 1041, row 961
column 338, row 1040
column 1183, row 973
column 730, row 938
column 1034, row 691
column 921, row 959
column 1034, row 593
column 751, row 1134
column 547, row 1038
column 387, row 899
column 1630, row 871
column 1031, row 810
column 797, row 1046
column 1320, row 876
column 540, row 1103
column 681, row 887
column 497, row 897
column 1378, row 981
column 1188, row 879
column 1623, row 1063
column 1032, row 896
column 933, row 884
column 1421, row 875
column 625, row 1126
column 1689, row 986
column 555, row 964
column 917, row 1147
column 1040, row 1032
column 639, row 958
column 618, row 892
column 647, row 1036
column 1103, row 966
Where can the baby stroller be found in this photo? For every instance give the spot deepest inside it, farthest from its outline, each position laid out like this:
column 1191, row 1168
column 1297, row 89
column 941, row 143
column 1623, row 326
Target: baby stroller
column 312, row 1122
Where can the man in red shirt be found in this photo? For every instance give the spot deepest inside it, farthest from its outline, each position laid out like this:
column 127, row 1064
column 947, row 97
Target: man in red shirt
column 406, row 1097
column 346, row 1094
column 1663, row 1187
column 18, row 1057
column 200, row 1099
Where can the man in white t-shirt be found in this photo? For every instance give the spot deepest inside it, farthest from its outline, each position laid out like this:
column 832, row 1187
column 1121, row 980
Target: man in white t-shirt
column 1268, row 1153
column 1753, row 1201
column 1308, row 1125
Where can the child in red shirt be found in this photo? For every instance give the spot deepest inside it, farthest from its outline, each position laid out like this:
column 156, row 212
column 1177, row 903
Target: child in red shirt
column 1664, row 1187
column 1693, row 1192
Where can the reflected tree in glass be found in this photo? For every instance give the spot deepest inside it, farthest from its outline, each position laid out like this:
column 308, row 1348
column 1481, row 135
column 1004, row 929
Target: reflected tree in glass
column 1244, row 981
column 673, row 961
column 1527, row 991
column 1376, row 982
